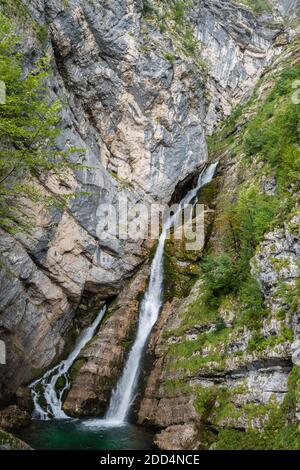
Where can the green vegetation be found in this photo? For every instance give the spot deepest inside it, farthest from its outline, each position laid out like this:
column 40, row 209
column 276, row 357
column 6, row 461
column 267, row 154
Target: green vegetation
column 274, row 132
column 271, row 141
column 10, row 442
column 28, row 132
column 225, row 324
column 42, row 34
column 181, row 269
column 172, row 19
column 280, row 429
column 258, row 6
column 77, row 365
column 17, row 10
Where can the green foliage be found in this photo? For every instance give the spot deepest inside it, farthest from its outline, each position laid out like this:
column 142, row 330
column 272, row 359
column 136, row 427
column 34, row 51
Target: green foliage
column 172, row 19
column 274, row 132
column 28, row 131
column 252, row 303
column 219, row 273
column 177, row 387
column 280, row 428
column 205, row 399
column 179, row 11
column 148, row 8
column 249, row 218
column 170, row 57
column 42, row 34
column 17, row 9
column 258, row 6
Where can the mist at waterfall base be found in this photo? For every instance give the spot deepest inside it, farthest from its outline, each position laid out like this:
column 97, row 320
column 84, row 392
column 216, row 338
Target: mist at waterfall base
column 56, row 430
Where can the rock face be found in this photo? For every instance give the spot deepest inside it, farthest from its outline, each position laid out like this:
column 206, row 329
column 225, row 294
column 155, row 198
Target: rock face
column 13, row 418
column 141, row 91
column 32, row 306
column 235, row 56
column 139, row 120
column 233, row 373
column 237, row 45
column 180, row 437
column 10, row 442
column 100, row 364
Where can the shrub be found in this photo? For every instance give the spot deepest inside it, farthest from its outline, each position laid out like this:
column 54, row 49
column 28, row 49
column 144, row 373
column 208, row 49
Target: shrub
column 219, row 273
column 28, row 131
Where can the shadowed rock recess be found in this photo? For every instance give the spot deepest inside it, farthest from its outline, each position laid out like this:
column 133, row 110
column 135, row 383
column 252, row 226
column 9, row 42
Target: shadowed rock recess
column 151, row 91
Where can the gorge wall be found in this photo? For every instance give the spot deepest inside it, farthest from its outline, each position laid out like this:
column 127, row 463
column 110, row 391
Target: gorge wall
column 143, row 87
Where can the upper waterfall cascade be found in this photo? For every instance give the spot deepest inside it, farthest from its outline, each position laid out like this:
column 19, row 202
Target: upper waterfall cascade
column 123, row 395
column 124, row 392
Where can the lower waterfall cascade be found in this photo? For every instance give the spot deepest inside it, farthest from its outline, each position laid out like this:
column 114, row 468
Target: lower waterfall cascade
column 48, row 382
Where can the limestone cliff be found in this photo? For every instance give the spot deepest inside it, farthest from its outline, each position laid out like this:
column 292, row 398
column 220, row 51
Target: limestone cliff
column 226, row 373
column 143, row 85
column 236, row 46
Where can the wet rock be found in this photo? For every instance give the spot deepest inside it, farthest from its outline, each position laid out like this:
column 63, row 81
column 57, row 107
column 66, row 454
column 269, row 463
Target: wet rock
column 102, row 361
column 10, row 442
column 24, row 399
column 12, row 418
column 35, row 314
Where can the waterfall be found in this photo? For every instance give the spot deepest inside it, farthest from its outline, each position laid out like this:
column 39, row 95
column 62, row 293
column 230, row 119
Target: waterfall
column 123, row 395
column 45, row 389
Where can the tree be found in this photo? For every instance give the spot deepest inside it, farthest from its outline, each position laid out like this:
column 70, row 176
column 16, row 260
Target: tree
column 28, row 131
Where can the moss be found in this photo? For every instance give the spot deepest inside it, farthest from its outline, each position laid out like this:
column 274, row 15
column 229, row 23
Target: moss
column 75, row 369
column 205, row 399
column 177, row 387
column 258, row 6
column 17, row 10
column 170, row 57
column 10, row 442
column 278, row 424
column 209, row 192
column 211, row 363
column 286, row 438
column 180, row 272
column 172, row 19
column 292, row 399
column 258, row 343
column 42, row 34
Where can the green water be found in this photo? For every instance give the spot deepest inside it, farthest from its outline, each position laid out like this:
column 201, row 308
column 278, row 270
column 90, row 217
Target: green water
column 85, row 435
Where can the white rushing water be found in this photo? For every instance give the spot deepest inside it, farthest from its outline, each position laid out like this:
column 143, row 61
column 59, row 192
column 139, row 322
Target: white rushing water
column 45, row 388
column 123, row 395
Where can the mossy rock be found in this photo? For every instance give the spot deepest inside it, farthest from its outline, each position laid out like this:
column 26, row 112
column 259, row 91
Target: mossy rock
column 75, row 369
column 209, row 192
column 10, row 442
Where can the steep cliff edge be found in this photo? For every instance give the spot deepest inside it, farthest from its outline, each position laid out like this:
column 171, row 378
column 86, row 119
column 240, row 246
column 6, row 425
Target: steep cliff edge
column 226, row 358
column 231, row 46
column 139, row 122
column 143, row 83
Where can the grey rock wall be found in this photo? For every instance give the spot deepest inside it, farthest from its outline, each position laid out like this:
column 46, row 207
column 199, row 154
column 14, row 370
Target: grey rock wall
column 141, row 121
